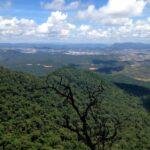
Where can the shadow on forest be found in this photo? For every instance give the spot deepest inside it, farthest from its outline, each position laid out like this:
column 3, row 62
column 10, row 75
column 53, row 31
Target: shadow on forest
column 142, row 92
column 109, row 70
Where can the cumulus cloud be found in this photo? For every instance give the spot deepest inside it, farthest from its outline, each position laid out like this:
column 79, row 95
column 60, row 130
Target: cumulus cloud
column 84, row 28
column 134, row 31
column 126, row 8
column 60, row 5
column 56, row 26
column 14, row 26
column 87, row 32
column 115, row 21
column 115, row 12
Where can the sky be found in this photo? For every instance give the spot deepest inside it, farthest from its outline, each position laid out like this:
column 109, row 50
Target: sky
column 74, row 21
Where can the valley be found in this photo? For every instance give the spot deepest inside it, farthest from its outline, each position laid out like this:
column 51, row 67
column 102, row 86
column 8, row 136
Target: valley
column 74, row 75
column 42, row 59
column 34, row 107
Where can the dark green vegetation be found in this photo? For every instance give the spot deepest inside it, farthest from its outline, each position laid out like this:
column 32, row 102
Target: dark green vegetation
column 31, row 114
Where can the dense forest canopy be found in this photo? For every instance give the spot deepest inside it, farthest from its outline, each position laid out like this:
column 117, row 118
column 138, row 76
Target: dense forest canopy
column 31, row 113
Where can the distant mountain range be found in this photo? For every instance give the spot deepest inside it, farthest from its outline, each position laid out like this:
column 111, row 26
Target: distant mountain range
column 85, row 46
column 130, row 46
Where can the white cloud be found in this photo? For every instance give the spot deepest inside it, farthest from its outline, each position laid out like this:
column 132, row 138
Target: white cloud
column 89, row 13
column 116, row 21
column 138, row 30
column 142, row 28
column 123, row 8
column 115, row 12
column 134, row 31
column 60, row 5
column 59, row 28
column 15, row 26
column 73, row 5
column 84, row 28
column 56, row 27
column 87, row 32
column 92, row 14
column 54, row 5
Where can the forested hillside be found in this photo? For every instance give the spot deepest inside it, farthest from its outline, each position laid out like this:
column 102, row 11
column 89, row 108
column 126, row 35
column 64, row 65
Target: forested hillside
column 32, row 113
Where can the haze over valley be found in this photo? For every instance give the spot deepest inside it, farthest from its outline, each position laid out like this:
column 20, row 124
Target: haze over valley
column 108, row 59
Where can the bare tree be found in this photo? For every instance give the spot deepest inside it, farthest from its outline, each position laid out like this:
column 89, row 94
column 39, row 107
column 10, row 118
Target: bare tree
column 102, row 132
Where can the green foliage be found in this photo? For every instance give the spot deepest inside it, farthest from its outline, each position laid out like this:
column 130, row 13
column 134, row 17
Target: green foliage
column 29, row 115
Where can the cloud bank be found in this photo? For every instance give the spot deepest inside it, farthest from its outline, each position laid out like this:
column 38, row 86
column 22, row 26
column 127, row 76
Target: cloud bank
column 113, row 22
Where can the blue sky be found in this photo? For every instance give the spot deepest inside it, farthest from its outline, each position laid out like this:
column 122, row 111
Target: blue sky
column 92, row 21
column 32, row 9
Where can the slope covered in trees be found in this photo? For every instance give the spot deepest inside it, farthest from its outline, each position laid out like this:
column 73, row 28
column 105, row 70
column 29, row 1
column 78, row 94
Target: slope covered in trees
column 32, row 113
